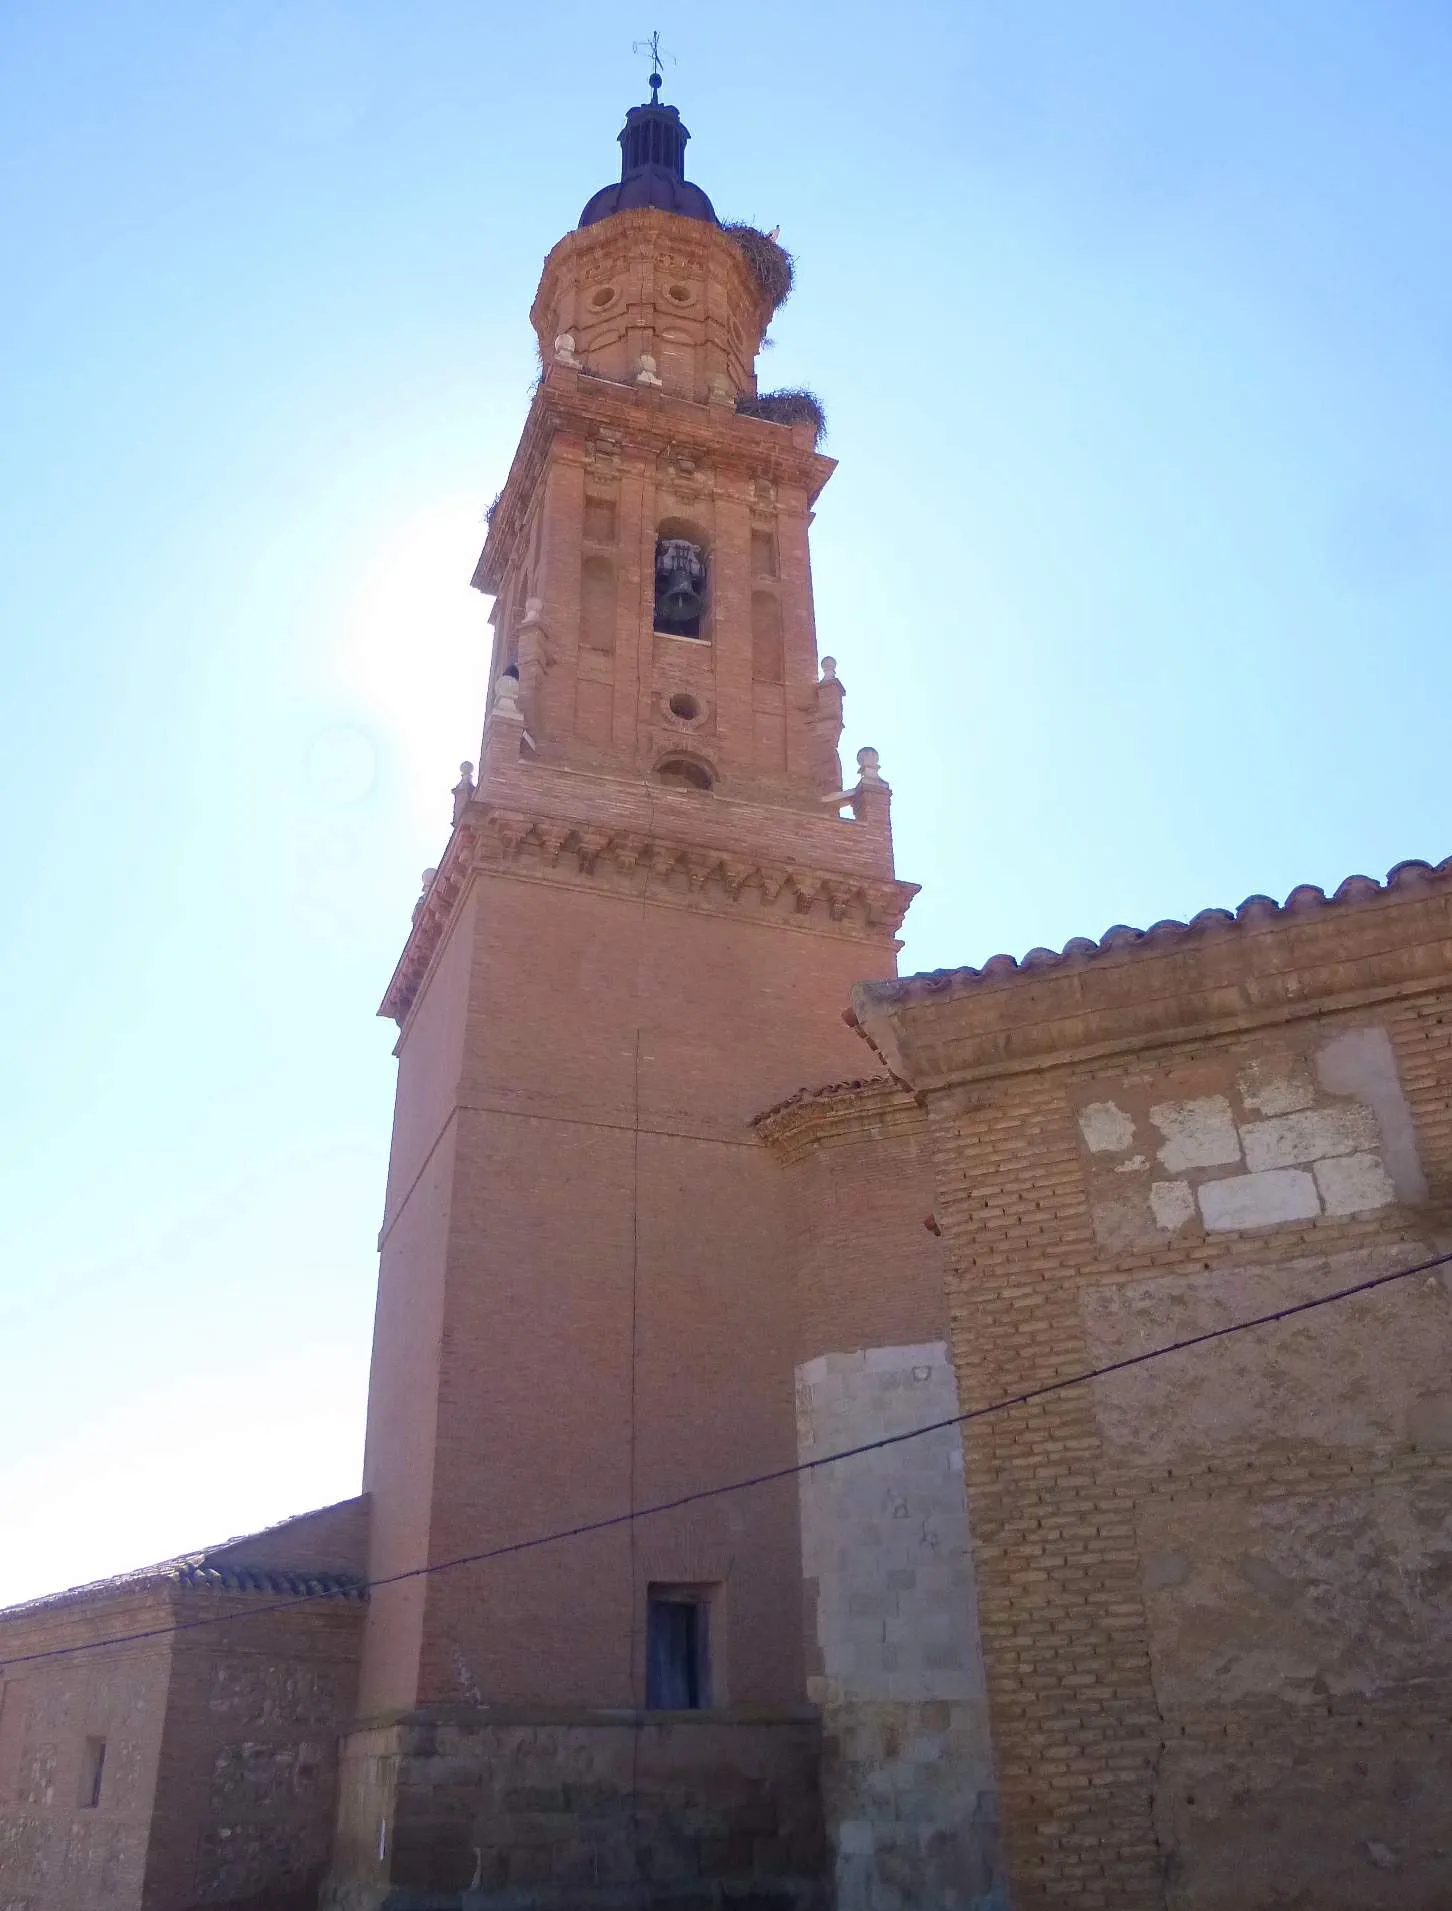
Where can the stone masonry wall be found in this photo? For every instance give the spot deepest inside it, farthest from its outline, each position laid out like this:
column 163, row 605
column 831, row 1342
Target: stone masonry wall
column 538, row 1811
column 907, row 1768
column 248, row 1773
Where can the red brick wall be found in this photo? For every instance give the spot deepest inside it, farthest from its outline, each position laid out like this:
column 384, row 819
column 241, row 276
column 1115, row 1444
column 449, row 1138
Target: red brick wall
column 398, row 1456
column 618, row 1288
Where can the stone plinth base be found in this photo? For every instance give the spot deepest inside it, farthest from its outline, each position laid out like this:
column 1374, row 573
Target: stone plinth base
column 912, row 1814
column 461, row 1808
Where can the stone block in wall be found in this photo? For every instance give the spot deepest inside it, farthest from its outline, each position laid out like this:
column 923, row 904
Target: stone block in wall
column 1259, row 1200
column 1307, row 1135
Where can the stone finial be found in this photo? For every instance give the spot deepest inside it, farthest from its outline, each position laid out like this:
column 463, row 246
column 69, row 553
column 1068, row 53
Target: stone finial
column 565, row 349
column 533, row 609
column 423, row 893
column 645, row 371
column 870, row 795
column 829, row 670
column 463, row 789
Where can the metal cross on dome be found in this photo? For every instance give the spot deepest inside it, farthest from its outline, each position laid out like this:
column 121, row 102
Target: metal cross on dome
column 652, row 46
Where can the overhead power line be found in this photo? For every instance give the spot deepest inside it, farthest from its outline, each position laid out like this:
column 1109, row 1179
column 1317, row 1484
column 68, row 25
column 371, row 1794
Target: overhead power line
column 694, row 1498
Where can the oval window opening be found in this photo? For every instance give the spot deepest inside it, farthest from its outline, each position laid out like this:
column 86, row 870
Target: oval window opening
column 684, row 707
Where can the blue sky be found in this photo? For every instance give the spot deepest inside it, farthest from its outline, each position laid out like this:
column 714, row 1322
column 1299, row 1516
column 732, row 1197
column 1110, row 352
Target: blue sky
column 1134, row 327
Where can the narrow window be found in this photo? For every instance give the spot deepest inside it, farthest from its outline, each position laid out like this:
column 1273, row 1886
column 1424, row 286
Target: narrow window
column 677, row 1658
column 93, row 1767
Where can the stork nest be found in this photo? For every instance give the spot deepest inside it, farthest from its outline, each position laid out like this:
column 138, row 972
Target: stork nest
column 772, row 266
column 788, row 408
column 493, row 507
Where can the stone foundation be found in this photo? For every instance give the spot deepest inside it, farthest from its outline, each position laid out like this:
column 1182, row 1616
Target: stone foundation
column 463, row 1808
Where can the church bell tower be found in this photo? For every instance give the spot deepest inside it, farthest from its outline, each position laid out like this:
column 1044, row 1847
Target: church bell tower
column 643, row 930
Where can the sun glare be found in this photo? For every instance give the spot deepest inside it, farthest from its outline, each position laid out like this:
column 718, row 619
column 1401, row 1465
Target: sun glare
column 411, row 660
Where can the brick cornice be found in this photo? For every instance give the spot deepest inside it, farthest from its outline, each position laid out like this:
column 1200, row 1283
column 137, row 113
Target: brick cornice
column 581, row 406
column 1216, row 976
column 843, row 1112
column 653, row 864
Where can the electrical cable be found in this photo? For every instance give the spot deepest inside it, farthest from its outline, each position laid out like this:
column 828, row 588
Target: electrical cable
column 694, row 1498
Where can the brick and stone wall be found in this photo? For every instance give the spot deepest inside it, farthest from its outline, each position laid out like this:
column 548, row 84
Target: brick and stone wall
column 58, row 1852
column 247, row 1781
column 218, row 1784
column 893, row 1656
column 1212, row 1589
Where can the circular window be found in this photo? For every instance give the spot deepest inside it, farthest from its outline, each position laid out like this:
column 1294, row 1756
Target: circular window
column 602, row 296
column 685, row 707
column 679, row 294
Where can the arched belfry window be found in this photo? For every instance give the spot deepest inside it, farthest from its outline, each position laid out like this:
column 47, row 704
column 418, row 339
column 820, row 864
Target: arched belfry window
column 680, row 585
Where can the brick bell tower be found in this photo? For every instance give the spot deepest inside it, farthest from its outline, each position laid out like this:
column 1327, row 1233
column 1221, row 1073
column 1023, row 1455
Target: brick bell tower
column 643, row 930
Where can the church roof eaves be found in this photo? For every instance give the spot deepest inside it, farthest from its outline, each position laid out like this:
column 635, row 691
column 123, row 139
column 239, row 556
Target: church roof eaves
column 1254, row 912
column 209, row 1569
column 828, row 1092
column 192, row 1573
column 868, row 1108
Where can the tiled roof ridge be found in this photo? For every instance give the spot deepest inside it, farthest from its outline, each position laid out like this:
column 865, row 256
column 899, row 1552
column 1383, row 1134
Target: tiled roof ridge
column 270, row 1579
column 192, row 1573
column 201, row 1570
column 829, row 1091
column 1305, row 899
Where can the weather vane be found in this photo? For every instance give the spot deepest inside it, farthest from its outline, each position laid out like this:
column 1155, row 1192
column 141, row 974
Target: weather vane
column 653, row 48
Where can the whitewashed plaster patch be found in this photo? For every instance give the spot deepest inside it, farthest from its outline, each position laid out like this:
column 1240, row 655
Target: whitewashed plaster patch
column 1198, row 1134
column 1351, row 1184
column 1281, row 1111
column 1259, row 1200
column 1172, row 1204
column 1106, row 1129
column 1362, row 1062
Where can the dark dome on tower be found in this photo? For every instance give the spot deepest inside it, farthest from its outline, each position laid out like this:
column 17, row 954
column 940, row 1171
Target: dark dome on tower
column 652, row 170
